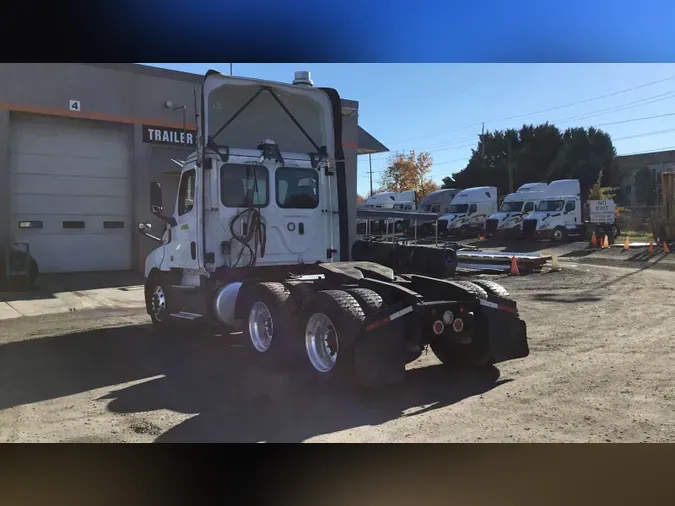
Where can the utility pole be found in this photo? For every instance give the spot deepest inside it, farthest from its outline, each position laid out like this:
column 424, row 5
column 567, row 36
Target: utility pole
column 370, row 162
column 230, row 69
column 482, row 144
column 509, row 164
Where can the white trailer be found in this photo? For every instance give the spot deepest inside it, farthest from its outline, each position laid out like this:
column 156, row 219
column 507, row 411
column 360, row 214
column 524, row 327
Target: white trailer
column 259, row 241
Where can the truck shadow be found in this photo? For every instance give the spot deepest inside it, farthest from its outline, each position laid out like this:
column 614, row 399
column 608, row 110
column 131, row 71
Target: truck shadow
column 233, row 395
column 237, row 399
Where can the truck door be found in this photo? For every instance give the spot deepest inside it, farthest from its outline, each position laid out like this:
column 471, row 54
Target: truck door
column 570, row 215
column 182, row 251
column 297, row 229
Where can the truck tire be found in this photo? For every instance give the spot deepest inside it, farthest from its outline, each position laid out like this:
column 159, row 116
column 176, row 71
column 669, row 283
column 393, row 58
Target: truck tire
column 464, row 232
column 471, row 288
column 559, row 234
column 369, row 300
column 332, row 321
column 493, row 288
column 474, row 355
column 271, row 327
column 157, row 302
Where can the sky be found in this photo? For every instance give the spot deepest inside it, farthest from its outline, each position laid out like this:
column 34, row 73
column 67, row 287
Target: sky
column 440, row 108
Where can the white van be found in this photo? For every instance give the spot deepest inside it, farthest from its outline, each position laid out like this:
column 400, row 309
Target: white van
column 558, row 215
column 468, row 211
column 515, row 207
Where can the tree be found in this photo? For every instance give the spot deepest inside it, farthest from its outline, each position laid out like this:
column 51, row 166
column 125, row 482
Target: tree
column 539, row 153
column 360, row 200
column 645, row 187
column 409, row 172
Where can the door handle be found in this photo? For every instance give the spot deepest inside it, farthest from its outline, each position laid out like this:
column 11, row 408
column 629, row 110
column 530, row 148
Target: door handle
column 193, row 250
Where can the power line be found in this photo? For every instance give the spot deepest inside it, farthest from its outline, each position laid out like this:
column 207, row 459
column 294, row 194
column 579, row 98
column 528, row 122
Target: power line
column 600, row 112
column 672, row 95
column 652, row 83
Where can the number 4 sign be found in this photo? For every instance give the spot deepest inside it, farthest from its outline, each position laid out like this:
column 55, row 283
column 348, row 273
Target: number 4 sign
column 74, row 105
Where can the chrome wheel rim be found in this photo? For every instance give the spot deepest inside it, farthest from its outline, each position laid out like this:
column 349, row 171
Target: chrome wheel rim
column 158, row 303
column 260, row 326
column 557, row 235
column 321, row 342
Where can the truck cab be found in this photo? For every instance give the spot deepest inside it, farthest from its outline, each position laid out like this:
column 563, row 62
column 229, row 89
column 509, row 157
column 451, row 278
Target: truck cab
column 468, row 211
column 558, row 215
column 514, row 208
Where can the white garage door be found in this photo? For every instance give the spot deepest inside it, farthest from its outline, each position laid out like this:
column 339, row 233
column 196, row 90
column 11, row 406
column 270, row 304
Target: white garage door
column 70, row 193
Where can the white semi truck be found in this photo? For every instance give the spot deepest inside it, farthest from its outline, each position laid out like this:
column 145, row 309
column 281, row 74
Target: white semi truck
column 468, row 211
column 558, row 215
column 259, row 241
column 514, row 209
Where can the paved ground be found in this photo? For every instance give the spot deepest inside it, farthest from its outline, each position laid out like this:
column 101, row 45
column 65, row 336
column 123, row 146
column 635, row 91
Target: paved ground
column 64, row 293
column 600, row 369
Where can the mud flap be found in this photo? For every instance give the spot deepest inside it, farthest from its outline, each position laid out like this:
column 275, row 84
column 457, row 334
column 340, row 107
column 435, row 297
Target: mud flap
column 508, row 335
column 380, row 355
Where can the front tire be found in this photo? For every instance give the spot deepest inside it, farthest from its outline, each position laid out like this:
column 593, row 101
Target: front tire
column 559, row 234
column 158, row 303
column 333, row 321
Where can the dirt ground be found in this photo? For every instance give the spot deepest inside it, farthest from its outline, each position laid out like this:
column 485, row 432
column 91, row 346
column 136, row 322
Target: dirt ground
column 600, row 369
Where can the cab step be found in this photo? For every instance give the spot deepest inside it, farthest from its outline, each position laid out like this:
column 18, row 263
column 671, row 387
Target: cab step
column 186, row 316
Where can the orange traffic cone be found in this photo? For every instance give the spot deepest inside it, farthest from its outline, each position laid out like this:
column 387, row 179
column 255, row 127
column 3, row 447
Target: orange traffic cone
column 651, row 247
column 666, row 249
column 594, row 241
column 626, row 244
column 605, row 244
column 514, row 267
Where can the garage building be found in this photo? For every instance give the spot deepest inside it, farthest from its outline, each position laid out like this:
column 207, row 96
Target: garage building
column 79, row 145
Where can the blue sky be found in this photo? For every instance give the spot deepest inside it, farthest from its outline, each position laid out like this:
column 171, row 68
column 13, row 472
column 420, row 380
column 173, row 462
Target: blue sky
column 440, row 107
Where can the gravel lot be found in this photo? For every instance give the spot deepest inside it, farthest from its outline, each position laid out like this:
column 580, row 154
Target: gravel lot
column 600, row 370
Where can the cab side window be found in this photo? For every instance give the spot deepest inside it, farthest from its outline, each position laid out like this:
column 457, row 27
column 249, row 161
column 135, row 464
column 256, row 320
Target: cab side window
column 570, row 206
column 297, row 188
column 529, row 207
column 473, row 208
column 186, row 192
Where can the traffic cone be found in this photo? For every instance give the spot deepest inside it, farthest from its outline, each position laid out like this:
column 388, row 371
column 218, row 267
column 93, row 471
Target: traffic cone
column 594, row 241
column 651, row 247
column 514, row 267
column 605, row 244
column 555, row 266
column 666, row 249
column 626, row 244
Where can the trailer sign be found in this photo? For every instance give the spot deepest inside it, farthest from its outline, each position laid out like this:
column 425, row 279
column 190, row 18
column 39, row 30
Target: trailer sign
column 602, row 211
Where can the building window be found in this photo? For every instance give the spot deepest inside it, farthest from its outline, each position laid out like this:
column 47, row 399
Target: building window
column 73, row 224
column 186, row 192
column 297, row 188
column 244, row 185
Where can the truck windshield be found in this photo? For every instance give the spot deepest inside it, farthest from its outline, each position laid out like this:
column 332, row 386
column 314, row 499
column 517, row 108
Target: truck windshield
column 551, row 205
column 511, row 207
column 458, row 208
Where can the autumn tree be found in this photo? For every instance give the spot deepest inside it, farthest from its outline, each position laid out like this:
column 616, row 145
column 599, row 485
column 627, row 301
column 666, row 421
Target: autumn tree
column 407, row 172
column 360, row 199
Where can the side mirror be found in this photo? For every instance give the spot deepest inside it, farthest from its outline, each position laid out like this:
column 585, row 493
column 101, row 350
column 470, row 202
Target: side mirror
column 156, row 198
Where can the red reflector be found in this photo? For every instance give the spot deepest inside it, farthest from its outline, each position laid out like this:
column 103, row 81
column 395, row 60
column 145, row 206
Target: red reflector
column 458, row 325
column 377, row 324
column 507, row 308
column 438, row 327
